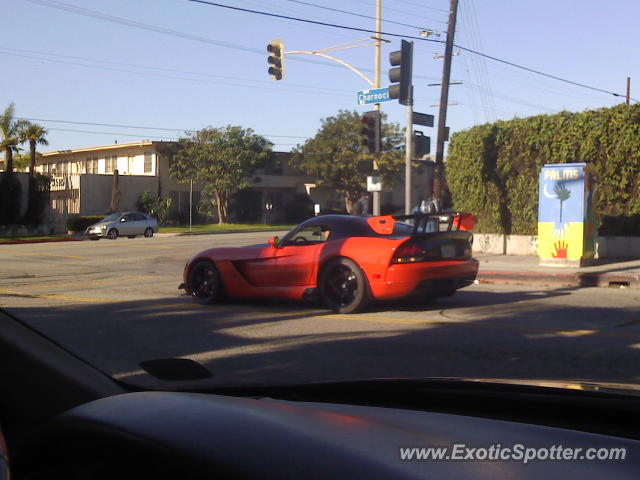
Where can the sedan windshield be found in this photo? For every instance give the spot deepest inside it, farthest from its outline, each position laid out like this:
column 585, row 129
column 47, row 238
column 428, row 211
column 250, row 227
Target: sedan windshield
column 111, row 218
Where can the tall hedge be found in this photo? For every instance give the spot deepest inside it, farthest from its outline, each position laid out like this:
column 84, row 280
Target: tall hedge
column 493, row 169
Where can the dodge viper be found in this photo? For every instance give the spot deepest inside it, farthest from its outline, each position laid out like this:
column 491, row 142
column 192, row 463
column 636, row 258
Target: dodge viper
column 344, row 261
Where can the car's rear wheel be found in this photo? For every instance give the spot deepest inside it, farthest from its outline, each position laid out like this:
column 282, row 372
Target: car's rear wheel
column 343, row 287
column 112, row 234
column 204, row 282
column 148, row 232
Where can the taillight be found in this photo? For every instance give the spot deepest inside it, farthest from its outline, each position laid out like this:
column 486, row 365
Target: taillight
column 413, row 252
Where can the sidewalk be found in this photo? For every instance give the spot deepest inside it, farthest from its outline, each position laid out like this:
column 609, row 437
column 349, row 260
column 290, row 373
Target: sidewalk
column 525, row 270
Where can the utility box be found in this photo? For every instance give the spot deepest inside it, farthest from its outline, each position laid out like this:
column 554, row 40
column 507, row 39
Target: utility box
column 566, row 215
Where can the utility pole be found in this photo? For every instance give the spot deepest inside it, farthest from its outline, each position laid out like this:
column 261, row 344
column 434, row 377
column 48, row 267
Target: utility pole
column 444, row 100
column 376, row 195
column 628, row 89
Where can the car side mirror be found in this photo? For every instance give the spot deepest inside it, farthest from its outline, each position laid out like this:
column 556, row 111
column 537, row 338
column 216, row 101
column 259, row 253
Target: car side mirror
column 123, row 219
column 274, row 241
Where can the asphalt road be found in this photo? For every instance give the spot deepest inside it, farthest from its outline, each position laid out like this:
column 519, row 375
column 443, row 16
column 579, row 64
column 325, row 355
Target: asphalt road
column 116, row 303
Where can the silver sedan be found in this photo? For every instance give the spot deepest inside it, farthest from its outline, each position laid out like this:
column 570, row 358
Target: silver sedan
column 127, row 224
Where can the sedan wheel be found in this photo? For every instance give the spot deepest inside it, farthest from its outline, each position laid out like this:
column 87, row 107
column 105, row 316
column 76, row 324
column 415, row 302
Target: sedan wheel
column 148, row 232
column 204, row 282
column 343, row 287
column 112, row 234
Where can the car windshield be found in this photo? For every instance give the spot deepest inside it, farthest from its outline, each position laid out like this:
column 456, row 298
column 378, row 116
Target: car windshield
column 455, row 187
column 111, row 218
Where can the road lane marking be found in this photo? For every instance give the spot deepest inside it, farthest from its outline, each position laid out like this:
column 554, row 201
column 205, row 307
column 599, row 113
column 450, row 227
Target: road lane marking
column 14, row 252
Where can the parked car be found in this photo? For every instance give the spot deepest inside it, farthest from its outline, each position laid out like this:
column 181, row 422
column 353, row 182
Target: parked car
column 344, row 261
column 127, row 224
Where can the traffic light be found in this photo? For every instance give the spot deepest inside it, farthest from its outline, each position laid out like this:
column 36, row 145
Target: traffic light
column 402, row 60
column 371, row 139
column 276, row 58
column 421, row 145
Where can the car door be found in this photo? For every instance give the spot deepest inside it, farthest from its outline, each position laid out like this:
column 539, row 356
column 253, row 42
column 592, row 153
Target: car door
column 141, row 223
column 295, row 260
column 127, row 224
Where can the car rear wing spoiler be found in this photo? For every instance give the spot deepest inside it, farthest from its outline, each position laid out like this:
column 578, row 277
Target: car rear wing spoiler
column 445, row 222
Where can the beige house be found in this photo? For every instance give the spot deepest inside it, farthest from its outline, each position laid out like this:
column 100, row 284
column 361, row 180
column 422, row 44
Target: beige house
column 82, row 182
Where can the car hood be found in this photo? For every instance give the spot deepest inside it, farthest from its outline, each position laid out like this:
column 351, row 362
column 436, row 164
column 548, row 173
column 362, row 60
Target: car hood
column 98, row 224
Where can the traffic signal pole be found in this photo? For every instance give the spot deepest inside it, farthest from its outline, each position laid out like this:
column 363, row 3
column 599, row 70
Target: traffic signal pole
column 376, row 195
column 408, row 155
column 444, row 100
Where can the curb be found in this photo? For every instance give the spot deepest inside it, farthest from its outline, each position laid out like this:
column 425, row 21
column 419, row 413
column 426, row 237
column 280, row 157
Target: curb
column 576, row 280
column 44, row 240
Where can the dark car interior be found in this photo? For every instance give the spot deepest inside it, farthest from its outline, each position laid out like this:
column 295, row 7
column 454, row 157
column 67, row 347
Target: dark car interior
column 63, row 418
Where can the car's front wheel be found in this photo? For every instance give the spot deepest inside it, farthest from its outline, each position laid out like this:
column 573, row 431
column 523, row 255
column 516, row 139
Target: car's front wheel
column 112, row 234
column 148, row 232
column 343, row 287
column 204, row 282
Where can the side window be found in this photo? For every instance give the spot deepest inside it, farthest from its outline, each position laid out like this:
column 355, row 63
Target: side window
column 130, row 217
column 310, row 235
column 139, row 217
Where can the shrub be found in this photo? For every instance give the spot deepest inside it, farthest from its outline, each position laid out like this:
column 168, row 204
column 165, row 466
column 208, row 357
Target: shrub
column 10, row 198
column 493, row 169
column 76, row 223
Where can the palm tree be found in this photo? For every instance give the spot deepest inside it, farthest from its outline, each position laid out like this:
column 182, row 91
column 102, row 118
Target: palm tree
column 34, row 134
column 10, row 130
column 563, row 193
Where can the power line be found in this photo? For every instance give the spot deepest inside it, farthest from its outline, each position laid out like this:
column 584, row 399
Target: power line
column 398, row 35
column 173, row 77
column 136, row 126
column 153, row 28
column 391, row 9
column 354, row 14
column 172, row 70
column 423, row 6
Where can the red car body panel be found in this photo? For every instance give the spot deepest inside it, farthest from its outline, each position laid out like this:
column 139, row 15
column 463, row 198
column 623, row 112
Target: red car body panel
column 287, row 272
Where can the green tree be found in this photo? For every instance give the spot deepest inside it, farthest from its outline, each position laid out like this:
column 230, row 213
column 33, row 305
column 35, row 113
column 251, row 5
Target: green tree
column 223, row 159
column 33, row 134
column 10, row 130
column 334, row 153
column 155, row 206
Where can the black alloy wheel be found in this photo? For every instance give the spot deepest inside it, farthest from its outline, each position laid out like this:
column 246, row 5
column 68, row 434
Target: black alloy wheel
column 343, row 287
column 112, row 234
column 204, row 282
column 148, row 232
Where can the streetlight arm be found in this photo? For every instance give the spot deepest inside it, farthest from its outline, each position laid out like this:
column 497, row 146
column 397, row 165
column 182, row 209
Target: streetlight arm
column 337, row 60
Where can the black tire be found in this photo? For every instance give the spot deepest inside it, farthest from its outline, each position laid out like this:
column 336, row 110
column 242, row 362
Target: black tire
column 148, row 232
column 112, row 234
column 204, row 283
column 343, row 287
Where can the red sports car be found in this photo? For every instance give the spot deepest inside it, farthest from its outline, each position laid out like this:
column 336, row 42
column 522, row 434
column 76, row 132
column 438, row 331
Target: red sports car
column 342, row 260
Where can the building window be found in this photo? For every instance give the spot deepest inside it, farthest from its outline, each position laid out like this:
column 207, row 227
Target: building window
column 110, row 163
column 147, row 162
column 131, row 162
column 91, row 165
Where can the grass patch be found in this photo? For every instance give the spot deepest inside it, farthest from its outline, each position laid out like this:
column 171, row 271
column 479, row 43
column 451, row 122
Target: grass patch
column 227, row 227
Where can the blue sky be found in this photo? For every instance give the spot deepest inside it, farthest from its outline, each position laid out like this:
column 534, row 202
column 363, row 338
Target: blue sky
column 60, row 65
